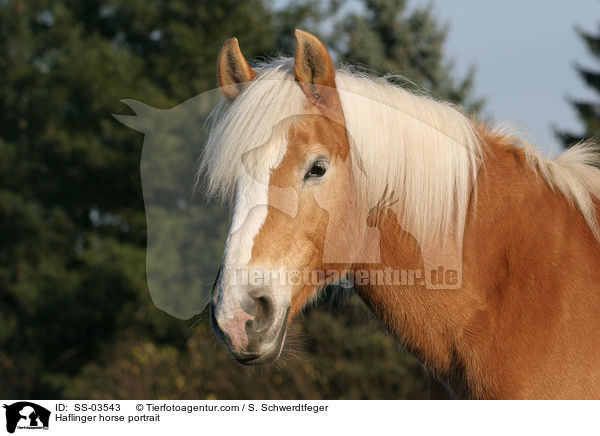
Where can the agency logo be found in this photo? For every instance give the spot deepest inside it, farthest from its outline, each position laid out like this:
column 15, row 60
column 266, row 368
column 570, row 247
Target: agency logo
column 26, row 415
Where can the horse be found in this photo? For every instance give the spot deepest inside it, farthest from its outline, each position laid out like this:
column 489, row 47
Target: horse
column 476, row 253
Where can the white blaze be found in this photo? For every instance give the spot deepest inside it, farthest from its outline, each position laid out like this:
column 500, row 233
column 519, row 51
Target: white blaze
column 249, row 214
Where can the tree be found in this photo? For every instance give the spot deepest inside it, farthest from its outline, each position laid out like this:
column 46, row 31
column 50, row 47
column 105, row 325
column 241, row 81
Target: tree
column 588, row 112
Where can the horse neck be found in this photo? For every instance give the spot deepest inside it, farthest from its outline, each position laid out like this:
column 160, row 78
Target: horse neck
column 450, row 330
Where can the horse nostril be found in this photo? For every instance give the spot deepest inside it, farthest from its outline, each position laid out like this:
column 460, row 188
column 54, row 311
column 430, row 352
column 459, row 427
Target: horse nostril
column 265, row 313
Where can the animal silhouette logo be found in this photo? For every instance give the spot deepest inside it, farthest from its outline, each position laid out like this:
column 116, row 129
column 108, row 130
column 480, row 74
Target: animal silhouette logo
column 26, row 415
column 179, row 271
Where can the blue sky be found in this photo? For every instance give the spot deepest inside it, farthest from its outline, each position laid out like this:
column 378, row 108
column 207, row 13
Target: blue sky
column 524, row 52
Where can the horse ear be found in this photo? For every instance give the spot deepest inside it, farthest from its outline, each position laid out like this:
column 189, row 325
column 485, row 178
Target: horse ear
column 313, row 67
column 233, row 71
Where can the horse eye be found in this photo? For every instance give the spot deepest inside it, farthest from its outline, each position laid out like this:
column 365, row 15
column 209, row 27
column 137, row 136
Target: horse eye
column 317, row 170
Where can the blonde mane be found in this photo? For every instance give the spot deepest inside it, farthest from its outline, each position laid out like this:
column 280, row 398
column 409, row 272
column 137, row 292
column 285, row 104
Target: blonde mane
column 417, row 155
column 575, row 173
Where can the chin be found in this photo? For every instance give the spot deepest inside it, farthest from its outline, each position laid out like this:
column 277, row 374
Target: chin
column 271, row 355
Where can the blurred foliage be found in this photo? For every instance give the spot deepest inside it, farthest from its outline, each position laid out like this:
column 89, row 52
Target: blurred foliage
column 588, row 112
column 76, row 318
column 354, row 360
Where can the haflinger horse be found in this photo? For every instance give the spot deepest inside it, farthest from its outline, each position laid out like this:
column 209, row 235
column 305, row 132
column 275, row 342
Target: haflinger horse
column 481, row 257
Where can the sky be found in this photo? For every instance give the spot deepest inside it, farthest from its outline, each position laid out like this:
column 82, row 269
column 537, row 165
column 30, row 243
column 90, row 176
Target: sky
column 524, row 52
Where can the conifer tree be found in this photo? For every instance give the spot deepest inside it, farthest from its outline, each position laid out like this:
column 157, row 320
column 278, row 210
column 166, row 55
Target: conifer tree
column 588, row 111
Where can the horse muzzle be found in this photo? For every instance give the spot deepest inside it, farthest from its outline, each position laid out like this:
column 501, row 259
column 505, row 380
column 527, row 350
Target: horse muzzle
column 255, row 334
